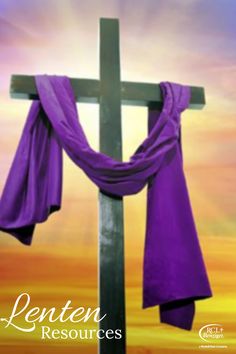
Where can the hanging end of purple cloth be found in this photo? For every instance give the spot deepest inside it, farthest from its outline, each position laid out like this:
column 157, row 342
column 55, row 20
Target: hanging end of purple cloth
column 178, row 313
column 23, row 234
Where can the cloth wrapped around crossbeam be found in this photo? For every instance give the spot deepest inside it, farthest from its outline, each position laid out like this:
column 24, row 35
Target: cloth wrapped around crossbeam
column 174, row 271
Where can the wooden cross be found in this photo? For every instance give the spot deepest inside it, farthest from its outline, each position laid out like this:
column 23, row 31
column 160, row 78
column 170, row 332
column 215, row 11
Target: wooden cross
column 110, row 93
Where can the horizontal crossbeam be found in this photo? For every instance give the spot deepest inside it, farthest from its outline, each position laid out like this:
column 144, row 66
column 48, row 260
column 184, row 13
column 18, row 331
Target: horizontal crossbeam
column 88, row 91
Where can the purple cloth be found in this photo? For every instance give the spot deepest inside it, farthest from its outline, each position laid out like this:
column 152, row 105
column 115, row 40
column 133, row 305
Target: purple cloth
column 174, row 271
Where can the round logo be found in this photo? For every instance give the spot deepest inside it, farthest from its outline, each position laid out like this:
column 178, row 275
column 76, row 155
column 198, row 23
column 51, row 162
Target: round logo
column 211, row 332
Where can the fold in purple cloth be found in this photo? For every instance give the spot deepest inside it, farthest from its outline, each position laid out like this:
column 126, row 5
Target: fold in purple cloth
column 174, row 271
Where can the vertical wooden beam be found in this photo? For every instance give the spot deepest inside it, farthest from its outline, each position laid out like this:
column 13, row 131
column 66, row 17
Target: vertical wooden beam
column 111, row 233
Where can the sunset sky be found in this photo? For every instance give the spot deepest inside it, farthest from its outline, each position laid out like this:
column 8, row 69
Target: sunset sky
column 186, row 41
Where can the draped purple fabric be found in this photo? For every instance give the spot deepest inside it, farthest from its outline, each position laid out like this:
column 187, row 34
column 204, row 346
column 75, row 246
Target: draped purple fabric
column 174, row 271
